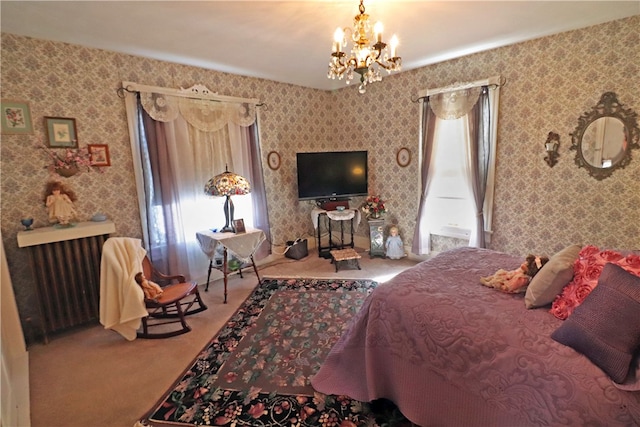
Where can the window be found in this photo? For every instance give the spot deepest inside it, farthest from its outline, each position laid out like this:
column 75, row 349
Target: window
column 458, row 140
column 179, row 143
column 449, row 206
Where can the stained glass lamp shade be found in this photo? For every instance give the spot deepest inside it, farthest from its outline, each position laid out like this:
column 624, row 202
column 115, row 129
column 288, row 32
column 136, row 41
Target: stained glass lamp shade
column 227, row 184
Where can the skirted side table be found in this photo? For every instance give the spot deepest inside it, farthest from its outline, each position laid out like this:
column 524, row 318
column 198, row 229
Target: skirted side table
column 241, row 244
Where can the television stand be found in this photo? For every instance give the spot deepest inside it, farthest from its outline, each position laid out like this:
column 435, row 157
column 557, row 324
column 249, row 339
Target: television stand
column 324, row 220
column 333, row 203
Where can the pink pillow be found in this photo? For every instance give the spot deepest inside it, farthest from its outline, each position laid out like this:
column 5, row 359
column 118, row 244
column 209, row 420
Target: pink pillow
column 586, row 272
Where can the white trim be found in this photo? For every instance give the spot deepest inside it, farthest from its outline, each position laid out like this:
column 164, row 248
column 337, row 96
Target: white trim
column 15, row 405
column 455, row 232
column 186, row 93
column 495, row 80
column 44, row 235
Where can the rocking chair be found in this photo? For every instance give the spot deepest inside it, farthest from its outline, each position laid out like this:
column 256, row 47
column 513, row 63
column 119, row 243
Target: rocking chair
column 176, row 301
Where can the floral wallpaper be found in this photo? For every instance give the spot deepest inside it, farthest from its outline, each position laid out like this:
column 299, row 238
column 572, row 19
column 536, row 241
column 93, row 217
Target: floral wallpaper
column 550, row 82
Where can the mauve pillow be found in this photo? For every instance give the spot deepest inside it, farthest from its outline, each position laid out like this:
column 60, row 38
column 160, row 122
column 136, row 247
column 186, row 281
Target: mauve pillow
column 632, row 382
column 552, row 278
column 586, row 271
column 606, row 326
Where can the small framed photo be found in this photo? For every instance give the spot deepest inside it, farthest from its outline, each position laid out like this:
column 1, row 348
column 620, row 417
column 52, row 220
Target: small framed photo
column 403, row 157
column 16, row 118
column 238, row 226
column 61, row 132
column 273, row 160
column 99, row 154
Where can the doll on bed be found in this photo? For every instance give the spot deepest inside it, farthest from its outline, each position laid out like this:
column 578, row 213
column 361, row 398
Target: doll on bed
column 151, row 290
column 515, row 281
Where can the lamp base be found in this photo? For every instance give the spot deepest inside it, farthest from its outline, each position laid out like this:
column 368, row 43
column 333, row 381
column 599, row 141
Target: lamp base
column 228, row 216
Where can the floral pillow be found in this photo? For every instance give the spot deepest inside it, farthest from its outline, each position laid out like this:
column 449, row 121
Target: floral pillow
column 586, row 271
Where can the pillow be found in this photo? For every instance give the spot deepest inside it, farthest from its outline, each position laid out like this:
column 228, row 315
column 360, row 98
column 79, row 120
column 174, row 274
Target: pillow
column 606, row 326
column 586, row 271
column 632, row 382
column 552, row 278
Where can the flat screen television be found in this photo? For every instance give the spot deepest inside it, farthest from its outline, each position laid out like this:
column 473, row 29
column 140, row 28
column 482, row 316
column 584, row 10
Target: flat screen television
column 332, row 175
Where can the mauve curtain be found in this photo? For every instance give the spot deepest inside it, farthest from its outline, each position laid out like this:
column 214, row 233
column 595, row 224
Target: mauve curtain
column 421, row 235
column 259, row 191
column 167, row 248
column 247, row 150
column 480, row 152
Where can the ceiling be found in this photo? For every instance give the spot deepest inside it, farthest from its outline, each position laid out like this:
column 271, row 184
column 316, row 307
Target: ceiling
column 290, row 41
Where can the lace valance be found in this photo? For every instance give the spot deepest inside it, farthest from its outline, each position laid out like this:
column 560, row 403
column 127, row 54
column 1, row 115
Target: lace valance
column 203, row 114
column 455, row 104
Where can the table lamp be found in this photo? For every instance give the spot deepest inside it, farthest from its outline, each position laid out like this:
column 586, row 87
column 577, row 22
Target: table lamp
column 227, row 184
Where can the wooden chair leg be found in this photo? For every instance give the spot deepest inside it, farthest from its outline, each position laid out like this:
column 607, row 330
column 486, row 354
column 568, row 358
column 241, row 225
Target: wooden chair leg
column 185, row 327
column 190, row 303
column 255, row 268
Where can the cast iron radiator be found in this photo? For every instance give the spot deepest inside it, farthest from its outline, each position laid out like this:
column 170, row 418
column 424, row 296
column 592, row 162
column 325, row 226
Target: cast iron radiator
column 67, row 277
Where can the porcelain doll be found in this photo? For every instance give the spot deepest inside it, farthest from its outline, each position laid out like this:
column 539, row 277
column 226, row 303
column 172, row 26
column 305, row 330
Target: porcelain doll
column 59, row 202
column 393, row 245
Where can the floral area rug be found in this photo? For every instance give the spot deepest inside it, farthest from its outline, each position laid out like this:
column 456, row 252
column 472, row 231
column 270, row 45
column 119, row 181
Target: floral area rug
column 256, row 371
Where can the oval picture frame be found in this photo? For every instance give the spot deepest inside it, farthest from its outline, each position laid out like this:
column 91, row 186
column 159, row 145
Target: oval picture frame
column 403, row 157
column 273, row 160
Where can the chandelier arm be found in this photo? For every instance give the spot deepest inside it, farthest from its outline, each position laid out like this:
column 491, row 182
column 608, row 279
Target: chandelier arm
column 353, row 62
column 389, row 67
column 379, row 46
column 338, row 64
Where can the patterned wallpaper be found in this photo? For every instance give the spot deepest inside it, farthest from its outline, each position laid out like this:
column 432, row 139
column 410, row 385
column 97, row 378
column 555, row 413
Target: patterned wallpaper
column 550, row 82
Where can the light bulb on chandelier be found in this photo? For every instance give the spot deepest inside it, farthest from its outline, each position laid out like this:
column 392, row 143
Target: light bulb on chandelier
column 365, row 59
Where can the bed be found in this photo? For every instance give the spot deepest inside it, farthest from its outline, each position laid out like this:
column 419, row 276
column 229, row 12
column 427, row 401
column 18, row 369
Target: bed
column 449, row 351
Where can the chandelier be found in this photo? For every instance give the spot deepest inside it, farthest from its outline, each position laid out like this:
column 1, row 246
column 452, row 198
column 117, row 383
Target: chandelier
column 365, row 59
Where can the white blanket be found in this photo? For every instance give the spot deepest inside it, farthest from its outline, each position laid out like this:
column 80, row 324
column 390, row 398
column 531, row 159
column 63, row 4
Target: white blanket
column 121, row 299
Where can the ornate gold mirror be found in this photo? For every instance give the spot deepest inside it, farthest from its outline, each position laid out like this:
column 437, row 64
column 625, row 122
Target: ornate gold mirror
column 605, row 136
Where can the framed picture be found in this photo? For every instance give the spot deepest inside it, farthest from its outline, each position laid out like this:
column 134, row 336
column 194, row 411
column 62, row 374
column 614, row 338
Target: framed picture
column 238, row 226
column 16, row 117
column 61, row 132
column 403, row 157
column 273, row 160
column 99, row 154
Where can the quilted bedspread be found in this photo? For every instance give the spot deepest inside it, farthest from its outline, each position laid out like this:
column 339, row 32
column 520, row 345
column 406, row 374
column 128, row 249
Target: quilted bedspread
column 449, row 351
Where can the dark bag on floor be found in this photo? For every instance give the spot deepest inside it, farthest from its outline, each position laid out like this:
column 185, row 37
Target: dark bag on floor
column 296, row 249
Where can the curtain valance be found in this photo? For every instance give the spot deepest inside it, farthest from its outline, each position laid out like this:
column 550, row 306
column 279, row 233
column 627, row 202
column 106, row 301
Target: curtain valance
column 203, row 114
column 455, row 104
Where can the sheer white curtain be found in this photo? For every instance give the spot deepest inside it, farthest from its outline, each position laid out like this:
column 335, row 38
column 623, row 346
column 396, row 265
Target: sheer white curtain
column 212, row 152
column 192, row 140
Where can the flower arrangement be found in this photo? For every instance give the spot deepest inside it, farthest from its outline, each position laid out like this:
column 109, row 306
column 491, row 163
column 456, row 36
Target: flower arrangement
column 73, row 160
column 373, row 207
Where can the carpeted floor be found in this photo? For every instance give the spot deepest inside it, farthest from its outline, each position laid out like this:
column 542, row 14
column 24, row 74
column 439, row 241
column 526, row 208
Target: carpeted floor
column 89, row 376
column 256, row 371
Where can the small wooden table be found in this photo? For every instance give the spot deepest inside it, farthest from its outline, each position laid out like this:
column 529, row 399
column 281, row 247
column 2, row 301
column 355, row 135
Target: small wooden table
column 344, row 255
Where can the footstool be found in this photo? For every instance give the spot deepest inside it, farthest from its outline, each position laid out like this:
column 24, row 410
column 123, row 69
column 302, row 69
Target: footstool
column 344, row 255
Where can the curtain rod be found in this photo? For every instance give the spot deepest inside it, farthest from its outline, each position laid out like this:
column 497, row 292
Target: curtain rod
column 491, row 81
column 194, row 92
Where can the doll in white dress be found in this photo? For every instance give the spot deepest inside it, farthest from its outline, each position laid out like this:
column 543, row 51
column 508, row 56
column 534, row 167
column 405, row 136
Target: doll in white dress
column 393, row 245
column 59, row 202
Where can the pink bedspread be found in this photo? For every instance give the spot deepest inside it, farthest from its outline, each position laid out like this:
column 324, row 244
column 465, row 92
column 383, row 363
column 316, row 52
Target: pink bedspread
column 449, row 351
